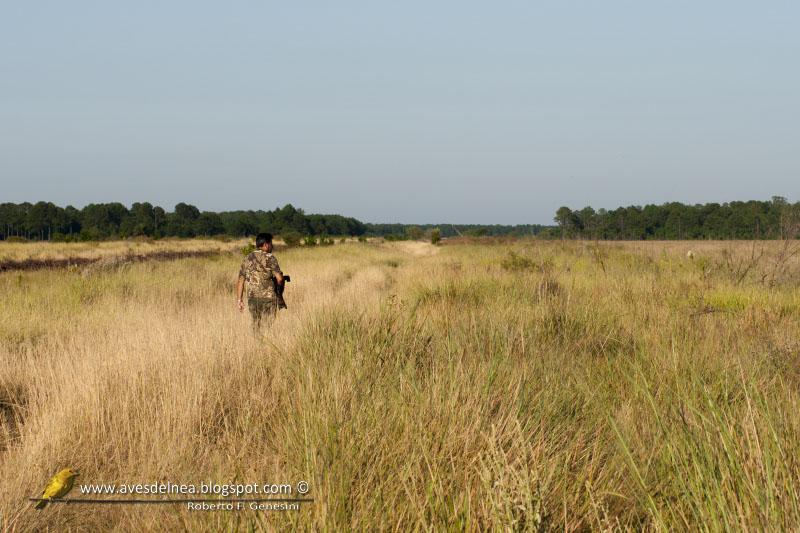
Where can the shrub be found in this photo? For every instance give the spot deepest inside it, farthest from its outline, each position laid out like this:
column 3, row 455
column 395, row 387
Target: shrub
column 516, row 263
column 246, row 250
column 436, row 235
column 291, row 238
column 90, row 235
column 414, row 233
column 310, row 240
column 362, row 238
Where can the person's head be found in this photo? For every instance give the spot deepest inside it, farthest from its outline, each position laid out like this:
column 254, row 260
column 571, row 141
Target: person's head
column 264, row 241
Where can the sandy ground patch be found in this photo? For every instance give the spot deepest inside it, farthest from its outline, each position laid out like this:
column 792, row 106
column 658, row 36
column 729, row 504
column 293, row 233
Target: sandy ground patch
column 415, row 248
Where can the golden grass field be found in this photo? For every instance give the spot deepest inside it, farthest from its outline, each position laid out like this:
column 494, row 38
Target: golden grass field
column 100, row 250
column 520, row 386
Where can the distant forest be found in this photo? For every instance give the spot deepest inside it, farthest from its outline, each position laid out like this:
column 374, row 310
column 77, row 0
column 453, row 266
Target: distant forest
column 456, row 230
column 46, row 221
column 773, row 219
column 776, row 218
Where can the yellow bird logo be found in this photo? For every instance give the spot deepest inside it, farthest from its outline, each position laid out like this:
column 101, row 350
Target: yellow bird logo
column 58, row 487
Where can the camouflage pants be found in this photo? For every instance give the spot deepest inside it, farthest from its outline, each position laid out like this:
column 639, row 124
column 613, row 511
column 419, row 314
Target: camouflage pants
column 263, row 311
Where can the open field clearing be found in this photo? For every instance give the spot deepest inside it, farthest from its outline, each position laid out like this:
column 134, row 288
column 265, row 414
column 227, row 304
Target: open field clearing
column 39, row 255
column 523, row 386
column 42, row 255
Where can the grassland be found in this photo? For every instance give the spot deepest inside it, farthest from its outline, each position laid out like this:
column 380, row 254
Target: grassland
column 44, row 251
column 522, row 386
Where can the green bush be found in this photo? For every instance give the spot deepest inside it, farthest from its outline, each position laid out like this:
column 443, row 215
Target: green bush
column 436, row 235
column 291, row 238
column 246, row 250
column 414, row 233
column 310, row 240
column 90, row 235
column 516, row 263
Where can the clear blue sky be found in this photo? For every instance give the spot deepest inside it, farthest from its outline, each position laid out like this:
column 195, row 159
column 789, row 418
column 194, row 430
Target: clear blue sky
column 435, row 111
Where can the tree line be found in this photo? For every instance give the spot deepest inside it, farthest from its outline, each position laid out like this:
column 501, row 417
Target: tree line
column 414, row 231
column 773, row 219
column 46, row 221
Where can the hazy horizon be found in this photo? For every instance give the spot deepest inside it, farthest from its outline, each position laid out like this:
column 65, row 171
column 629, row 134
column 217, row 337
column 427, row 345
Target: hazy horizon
column 445, row 113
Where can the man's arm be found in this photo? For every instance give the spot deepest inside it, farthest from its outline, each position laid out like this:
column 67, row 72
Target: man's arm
column 276, row 269
column 240, row 293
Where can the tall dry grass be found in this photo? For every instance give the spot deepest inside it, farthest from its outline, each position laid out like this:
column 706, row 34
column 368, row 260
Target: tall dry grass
column 43, row 251
column 564, row 386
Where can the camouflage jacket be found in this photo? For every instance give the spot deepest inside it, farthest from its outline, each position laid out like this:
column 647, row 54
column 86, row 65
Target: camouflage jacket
column 257, row 270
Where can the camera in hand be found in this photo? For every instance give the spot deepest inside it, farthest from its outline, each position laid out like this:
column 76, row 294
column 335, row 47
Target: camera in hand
column 279, row 287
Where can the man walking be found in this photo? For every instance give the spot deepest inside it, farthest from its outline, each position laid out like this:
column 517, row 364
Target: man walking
column 257, row 272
